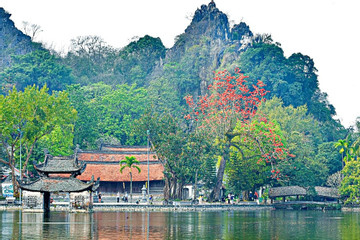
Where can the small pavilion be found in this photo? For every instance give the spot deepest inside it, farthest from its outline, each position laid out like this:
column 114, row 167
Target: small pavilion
column 58, row 175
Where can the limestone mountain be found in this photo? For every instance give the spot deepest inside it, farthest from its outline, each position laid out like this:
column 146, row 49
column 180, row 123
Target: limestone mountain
column 208, row 44
column 12, row 40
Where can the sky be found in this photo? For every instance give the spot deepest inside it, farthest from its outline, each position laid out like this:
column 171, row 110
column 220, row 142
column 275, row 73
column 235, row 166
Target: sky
column 326, row 30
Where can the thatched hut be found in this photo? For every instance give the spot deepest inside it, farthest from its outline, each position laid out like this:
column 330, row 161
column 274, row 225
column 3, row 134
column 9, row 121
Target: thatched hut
column 287, row 192
column 327, row 192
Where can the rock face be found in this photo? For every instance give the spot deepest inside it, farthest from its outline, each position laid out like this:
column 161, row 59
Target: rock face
column 202, row 49
column 209, row 21
column 12, row 40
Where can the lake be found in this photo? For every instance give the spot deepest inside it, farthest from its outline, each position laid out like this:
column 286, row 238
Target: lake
column 262, row 224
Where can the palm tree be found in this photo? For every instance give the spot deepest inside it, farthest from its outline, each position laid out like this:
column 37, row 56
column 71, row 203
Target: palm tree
column 130, row 163
column 345, row 149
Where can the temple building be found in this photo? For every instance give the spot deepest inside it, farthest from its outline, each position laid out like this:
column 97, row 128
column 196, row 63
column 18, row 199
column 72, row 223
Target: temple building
column 104, row 164
column 58, row 175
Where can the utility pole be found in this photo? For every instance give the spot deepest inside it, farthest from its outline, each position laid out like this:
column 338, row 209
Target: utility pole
column 148, row 152
column 20, row 167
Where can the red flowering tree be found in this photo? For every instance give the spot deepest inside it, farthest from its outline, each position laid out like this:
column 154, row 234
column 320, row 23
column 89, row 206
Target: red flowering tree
column 229, row 116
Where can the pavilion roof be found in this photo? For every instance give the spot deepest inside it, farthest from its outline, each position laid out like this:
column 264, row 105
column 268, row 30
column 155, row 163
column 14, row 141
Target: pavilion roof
column 45, row 184
column 60, row 164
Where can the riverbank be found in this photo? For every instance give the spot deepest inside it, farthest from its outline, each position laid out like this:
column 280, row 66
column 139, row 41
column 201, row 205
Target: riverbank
column 178, row 207
column 188, row 207
column 156, row 207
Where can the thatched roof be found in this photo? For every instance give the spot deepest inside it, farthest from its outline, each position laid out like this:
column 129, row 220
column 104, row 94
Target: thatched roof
column 301, row 191
column 286, row 191
column 327, row 192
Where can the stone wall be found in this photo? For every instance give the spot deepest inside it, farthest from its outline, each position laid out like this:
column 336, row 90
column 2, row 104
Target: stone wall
column 33, row 201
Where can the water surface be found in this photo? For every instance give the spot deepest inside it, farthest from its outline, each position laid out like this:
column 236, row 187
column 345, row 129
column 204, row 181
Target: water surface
column 264, row 224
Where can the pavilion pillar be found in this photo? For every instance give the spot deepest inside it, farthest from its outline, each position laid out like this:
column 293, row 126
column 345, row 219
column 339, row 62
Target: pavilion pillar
column 46, row 201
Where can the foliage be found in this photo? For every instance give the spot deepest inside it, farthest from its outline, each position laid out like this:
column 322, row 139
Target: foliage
column 228, row 116
column 185, row 155
column 335, row 180
column 250, row 161
column 92, row 60
column 129, row 162
column 32, row 116
column 350, row 184
column 107, row 112
column 38, row 67
column 313, row 159
column 137, row 60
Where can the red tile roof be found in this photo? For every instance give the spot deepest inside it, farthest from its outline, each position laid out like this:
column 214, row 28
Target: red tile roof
column 116, row 148
column 105, row 164
column 114, row 156
column 111, row 173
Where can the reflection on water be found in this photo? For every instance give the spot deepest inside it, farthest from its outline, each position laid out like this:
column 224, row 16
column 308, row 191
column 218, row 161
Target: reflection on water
column 181, row 225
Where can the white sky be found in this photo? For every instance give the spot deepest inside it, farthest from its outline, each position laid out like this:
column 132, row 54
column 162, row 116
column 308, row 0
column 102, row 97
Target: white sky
column 326, row 30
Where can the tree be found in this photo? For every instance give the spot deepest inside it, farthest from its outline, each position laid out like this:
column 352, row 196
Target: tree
column 187, row 156
column 129, row 162
column 31, row 116
column 38, row 67
column 136, row 61
column 92, row 60
column 107, row 113
column 32, row 30
column 229, row 112
column 350, row 184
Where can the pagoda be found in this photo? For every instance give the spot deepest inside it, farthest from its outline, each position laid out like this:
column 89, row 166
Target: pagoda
column 58, row 175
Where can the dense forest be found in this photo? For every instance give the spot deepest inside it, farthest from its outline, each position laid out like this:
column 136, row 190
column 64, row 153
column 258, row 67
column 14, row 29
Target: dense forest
column 119, row 94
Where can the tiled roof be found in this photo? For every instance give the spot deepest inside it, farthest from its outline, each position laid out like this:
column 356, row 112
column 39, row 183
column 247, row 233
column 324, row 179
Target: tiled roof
column 59, row 165
column 117, row 148
column 111, row 172
column 100, row 156
column 45, row 184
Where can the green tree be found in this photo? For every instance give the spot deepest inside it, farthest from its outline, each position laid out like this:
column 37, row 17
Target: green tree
column 38, row 67
column 350, row 184
column 92, row 60
column 31, row 116
column 117, row 111
column 107, row 113
column 86, row 126
column 312, row 159
column 187, row 156
column 129, row 162
column 135, row 62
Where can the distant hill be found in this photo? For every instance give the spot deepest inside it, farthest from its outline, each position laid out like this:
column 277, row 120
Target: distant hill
column 208, row 44
column 12, row 40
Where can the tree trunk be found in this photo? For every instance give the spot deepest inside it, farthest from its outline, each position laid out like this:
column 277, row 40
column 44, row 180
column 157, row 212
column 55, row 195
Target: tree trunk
column 130, row 187
column 215, row 195
column 219, row 179
column 13, row 180
column 167, row 188
column 195, row 186
column 179, row 189
column 28, row 155
column 173, row 188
